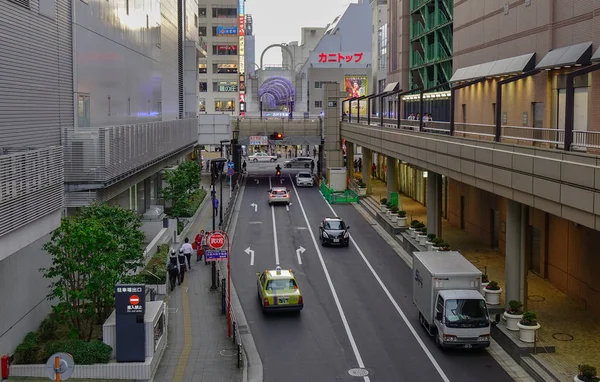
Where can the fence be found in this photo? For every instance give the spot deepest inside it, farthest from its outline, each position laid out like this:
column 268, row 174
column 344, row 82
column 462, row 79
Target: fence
column 335, row 197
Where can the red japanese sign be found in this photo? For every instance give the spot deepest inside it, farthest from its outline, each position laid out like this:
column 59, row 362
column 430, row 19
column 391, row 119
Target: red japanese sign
column 340, row 57
column 242, row 25
column 216, row 240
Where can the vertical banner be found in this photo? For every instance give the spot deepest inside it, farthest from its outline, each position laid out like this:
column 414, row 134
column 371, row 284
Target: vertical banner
column 356, row 86
column 242, row 55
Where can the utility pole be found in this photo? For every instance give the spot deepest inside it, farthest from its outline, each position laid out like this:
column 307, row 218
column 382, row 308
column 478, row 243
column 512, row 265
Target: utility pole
column 213, row 266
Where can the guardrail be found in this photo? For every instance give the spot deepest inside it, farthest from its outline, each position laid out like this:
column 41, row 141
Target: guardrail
column 521, row 135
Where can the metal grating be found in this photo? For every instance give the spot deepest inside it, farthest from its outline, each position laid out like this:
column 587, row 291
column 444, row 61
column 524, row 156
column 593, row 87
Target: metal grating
column 31, row 185
column 23, row 3
column 109, row 154
column 80, row 198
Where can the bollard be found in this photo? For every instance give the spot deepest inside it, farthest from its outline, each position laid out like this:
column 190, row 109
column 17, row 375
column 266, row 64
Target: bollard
column 234, row 325
column 218, row 276
column 239, row 354
column 223, row 299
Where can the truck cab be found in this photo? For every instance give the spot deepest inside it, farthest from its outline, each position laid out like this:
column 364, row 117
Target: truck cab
column 461, row 319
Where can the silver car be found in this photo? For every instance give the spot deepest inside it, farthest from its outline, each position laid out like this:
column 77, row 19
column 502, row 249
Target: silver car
column 304, row 179
column 298, row 162
column 262, row 157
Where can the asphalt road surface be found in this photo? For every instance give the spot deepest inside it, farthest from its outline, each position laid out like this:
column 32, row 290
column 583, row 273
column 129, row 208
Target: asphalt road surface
column 358, row 310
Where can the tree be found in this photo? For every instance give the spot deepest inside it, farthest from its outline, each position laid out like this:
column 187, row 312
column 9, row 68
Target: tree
column 182, row 184
column 192, row 171
column 91, row 253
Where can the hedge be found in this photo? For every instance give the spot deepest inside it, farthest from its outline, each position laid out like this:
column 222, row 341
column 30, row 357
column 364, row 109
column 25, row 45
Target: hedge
column 84, row 353
column 160, row 260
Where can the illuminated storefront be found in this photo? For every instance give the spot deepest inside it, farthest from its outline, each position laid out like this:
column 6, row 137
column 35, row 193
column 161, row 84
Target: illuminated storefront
column 242, row 66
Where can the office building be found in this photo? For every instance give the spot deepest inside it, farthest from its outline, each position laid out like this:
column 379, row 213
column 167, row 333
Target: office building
column 380, row 47
column 94, row 116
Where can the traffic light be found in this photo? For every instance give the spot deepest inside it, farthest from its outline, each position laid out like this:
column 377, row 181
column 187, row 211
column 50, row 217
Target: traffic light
column 276, row 136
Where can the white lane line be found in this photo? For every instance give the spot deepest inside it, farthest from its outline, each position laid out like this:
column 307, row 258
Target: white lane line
column 274, row 229
column 395, row 304
column 332, row 288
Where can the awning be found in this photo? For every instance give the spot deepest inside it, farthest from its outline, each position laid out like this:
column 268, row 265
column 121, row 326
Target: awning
column 511, row 65
column 391, row 87
column 578, row 54
column 596, row 56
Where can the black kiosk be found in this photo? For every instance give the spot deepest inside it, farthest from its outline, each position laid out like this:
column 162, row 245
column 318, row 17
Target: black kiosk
column 130, row 307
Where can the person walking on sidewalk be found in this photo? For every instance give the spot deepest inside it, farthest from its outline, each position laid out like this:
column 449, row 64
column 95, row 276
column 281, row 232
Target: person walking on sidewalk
column 244, row 167
column 205, row 246
column 198, row 243
column 181, row 260
column 187, row 251
column 312, row 166
column 173, row 268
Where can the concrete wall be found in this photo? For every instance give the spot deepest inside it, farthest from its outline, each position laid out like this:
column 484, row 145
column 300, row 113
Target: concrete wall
column 118, row 60
column 168, row 68
column 326, row 75
column 568, row 257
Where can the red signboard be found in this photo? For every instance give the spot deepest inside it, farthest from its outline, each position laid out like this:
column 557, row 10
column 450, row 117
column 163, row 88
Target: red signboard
column 134, row 300
column 216, row 240
column 242, row 25
column 340, row 57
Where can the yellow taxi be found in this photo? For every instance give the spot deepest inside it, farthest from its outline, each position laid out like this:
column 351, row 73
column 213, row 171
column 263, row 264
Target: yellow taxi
column 278, row 291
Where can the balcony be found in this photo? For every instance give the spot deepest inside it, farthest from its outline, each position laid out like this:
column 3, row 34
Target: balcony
column 31, row 185
column 101, row 156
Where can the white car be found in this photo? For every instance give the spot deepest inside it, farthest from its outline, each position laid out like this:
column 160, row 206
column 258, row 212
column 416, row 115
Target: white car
column 304, row 179
column 262, row 157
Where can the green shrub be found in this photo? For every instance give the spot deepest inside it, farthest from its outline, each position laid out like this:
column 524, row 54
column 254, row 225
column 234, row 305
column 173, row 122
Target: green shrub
column 587, row 373
column 402, row 214
column 394, row 209
column 160, row 260
column 26, row 352
column 493, row 285
column 84, row 353
column 414, row 223
column 528, row 319
column 514, row 307
column 47, row 328
column 194, row 203
column 383, row 201
column 431, row 237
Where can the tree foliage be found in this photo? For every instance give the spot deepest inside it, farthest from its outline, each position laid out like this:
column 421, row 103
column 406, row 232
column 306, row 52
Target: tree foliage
column 182, row 184
column 91, row 252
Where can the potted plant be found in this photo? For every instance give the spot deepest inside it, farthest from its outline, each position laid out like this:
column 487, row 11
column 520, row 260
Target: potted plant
column 388, row 211
column 492, row 293
column 587, row 373
column 436, row 243
column 484, row 283
column 394, row 214
column 444, row 247
column 401, row 218
column 513, row 315
column 429, row 242
column 527, row 327
column 422, row 234
column 412, row 231
column 383, row 203
column 362, row 188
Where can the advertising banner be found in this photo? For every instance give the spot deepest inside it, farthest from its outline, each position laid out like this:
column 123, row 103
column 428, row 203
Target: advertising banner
column 356, row 86
column 227, row 31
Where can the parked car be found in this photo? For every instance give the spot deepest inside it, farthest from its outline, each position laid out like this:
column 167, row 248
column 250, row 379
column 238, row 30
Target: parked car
column 262, row 157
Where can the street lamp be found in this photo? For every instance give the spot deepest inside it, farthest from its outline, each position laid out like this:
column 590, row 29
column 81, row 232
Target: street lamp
column 217, row 165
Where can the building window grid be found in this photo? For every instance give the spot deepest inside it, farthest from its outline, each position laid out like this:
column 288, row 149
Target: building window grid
column 224, row 13
column 225, row 50
column 382, row 40
column 318, row 104
column 202, row 12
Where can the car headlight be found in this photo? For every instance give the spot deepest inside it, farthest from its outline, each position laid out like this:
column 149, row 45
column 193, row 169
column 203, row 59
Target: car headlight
column 325, row 234
column 346, row 234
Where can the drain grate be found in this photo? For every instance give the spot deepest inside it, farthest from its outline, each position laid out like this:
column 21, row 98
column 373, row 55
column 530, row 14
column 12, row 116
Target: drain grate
column 565, row 337
column 536, row 298
column 358, row 372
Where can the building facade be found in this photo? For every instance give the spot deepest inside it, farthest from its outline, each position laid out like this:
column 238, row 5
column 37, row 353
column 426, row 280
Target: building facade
column 541, row 41
column 219, row 82
column 99, row 113
column 344, row 55
column 379, row 43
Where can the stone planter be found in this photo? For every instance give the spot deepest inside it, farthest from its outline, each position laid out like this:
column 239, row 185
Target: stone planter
column 512, row 320
column 362, row 191
column 576, row 379
column 394, row 218
column 429, row 245
column 492, row 297
column 383, row 207
column 483, row 285
column 401, row 221
column 422, row 239
column 412, row 232
column 527, row 333
column 435, row 248
column 388, row 213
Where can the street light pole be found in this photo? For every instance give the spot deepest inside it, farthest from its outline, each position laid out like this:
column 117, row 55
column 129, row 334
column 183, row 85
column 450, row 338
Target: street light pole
column 221, row 201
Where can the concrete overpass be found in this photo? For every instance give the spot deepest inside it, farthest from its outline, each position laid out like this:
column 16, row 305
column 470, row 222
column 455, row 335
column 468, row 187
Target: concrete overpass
column 295, row 131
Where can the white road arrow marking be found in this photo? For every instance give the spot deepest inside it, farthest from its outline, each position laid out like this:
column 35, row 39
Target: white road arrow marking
column 257, row 181
column 298, row 252
column 287, row 207
column 251, row 253
column 255, row 206
column 281, row 181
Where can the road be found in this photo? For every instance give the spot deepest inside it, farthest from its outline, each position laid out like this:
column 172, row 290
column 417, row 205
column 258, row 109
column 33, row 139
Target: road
column 358, row 310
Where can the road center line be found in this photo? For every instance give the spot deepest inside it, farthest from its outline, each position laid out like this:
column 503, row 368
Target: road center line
column 396, row 306
column 274, row 228
column 332, row 288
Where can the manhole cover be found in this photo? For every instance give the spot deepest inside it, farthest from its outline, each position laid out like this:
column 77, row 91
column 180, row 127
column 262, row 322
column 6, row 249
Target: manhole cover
column 562, row 337
column 536, row 298
column 228, row 353
column 358, row 372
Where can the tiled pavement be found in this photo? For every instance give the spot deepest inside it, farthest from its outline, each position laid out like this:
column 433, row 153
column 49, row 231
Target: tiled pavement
column 198, row 347
column 564, row 322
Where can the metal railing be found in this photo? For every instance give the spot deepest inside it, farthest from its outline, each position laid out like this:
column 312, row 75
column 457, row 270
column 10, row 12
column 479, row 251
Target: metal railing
column 31, row 185
column 520, row 135
column 108, row 154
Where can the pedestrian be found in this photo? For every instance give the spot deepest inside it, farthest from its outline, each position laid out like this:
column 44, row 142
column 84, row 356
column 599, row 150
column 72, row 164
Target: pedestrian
column 318, row 167
column 359, row 164
column 173, row 268
column 289, row 153
column 181, row 260
column 205, row 246
column 207, row 164
column 198, row 243
column 244, row 167
column 187, row 251
column 312, row 166
column 315, row 152
column 356, row 165
column 374, row 171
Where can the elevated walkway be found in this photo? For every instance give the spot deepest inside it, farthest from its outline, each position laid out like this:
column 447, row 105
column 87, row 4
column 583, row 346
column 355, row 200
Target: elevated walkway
column 568, row 335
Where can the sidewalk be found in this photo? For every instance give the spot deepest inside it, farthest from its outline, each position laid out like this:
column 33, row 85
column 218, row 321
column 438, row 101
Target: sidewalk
column 198, row 348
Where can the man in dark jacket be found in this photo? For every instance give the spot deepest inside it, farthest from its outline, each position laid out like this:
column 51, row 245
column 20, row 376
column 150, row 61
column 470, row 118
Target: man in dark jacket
column 182, row 268
column 173, row 268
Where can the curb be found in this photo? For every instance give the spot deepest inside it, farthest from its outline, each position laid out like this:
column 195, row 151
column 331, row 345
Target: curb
column 253, row 368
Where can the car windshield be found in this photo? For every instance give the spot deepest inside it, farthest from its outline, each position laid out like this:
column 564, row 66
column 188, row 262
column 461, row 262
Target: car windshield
column 304, row 175
column 335, row 225
column 466, row 313
column 282, row 284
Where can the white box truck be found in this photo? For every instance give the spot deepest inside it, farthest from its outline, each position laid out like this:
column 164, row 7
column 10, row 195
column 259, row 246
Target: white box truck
column 447, row 295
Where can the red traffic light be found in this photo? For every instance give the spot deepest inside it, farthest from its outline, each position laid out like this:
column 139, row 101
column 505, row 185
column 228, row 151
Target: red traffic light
column 276, row 136
column 279, row 136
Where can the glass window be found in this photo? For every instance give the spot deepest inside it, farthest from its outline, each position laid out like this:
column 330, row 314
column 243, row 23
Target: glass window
column 223, row 86
column 225, row 12
column 225, row 105
column 203, row 87
column 281, row 284
column 318, row 85
column 201, row 68
column 335, row 224
column 83, row 110
column 382, row 40
column 201, row 104
column 227, row 68
column 225, row 50
column 318, row 103
column 202, row 12
column 159, row 329
column 202, row 31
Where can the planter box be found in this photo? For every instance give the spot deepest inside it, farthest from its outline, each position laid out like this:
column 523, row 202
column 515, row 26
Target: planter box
column 412, row 232
column 492, row 297
column 512, row 320
column 362, row 191
column 401, row 221
column 422, row 239
column 429, row 245
column 394, row 218
column 527, row 333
